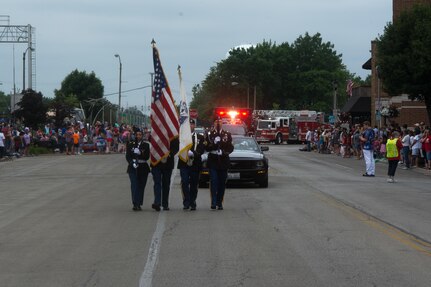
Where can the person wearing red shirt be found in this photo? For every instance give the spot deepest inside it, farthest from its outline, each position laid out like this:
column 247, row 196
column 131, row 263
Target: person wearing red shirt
column 426, row 146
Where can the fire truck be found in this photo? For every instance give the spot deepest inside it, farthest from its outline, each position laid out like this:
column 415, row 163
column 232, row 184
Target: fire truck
column 280, row 126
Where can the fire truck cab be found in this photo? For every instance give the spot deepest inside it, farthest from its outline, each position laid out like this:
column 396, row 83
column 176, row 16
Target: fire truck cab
column 277, row 130
column 280, row 126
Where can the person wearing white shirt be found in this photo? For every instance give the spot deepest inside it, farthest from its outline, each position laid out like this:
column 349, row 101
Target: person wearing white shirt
column 416, row 148
column 2, row 142
column 406, row 149
column 308, row 136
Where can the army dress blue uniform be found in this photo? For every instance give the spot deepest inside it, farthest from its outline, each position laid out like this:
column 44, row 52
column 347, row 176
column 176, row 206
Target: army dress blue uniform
column 190, row 171
column 137, row 154
column 219, row 146
column 162, row 172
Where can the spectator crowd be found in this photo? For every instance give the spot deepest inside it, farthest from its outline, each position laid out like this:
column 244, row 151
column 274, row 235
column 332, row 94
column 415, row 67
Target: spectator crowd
column 72, row 139
column 344, row 141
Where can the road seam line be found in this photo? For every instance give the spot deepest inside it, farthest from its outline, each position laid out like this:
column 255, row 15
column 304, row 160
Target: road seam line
column 146, row 279
column 391, row 230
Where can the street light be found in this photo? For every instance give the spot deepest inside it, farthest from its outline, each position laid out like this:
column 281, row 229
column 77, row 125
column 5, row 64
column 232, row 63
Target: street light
column 23, row 66
column 379, row 103
column 119, row 88
column 248, row 94
column 335, row 111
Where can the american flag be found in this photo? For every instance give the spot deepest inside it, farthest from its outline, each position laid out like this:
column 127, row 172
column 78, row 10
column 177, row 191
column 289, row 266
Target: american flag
column 164, row 116
column 349, row 88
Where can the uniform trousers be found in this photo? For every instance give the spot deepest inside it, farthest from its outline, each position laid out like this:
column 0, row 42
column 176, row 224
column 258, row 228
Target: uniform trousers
column 162, row 185
column 138, row 181
column 218, row 179
column 189, row 186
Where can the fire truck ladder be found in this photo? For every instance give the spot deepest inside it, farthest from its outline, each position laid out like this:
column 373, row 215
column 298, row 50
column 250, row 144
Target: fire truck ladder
column 282, row 113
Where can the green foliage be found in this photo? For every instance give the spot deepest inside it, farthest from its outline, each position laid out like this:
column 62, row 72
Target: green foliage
column 286, row 76
column 404, row 55
column 32, row 110
column 84, row 86
column 63, row 106
column 4, row 104
column 36, row 150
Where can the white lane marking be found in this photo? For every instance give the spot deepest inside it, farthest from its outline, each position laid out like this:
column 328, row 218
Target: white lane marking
column 153, row 254
column 146, row 279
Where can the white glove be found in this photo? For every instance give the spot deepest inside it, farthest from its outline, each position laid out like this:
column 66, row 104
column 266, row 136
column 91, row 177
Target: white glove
column 219, row 152
column 217, row 140
column 190, row 153
column 135, row 165
column 136, row 151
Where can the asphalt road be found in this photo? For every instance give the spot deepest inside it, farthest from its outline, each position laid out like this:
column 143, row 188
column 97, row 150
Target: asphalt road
column 67, row 221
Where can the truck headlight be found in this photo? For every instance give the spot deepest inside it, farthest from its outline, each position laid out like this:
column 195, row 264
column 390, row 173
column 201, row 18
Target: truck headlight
column 260, row 163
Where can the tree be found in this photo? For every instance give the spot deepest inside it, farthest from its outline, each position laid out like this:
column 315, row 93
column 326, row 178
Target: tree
column 404, row 55
column 32, row 110
column 84, row 86
column 287, row 76
column 63, row 106
column 4, row 105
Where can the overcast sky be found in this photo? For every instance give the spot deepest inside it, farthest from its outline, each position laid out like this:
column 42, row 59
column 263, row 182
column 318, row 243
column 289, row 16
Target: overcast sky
column 85, row 35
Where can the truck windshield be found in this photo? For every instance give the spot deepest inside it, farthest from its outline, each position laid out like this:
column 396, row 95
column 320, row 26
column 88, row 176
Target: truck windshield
column 234, row 129
column 264, row 124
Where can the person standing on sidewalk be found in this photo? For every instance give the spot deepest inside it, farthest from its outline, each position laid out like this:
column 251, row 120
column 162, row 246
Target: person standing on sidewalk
column 416, row 148
column 393, row 152
column 75, row 138
column 406, row 149
column 308, row 137
column 68, row 135
column 367, row 139
column 426, row 145
column 2, row 144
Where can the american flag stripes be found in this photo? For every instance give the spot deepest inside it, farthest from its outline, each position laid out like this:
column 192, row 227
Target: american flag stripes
column 164, row 115
column 349, row 88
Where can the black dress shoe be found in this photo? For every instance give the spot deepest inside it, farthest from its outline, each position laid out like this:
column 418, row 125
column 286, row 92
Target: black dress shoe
column 166, row 208
column 220, row 208
column 135, row 208
column 139, row 208
column 156, row 207
column 186, row 208
column 193, row 208
column 213, row 207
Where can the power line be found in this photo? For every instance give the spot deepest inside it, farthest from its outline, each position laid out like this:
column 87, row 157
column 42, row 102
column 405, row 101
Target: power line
column 126, row 91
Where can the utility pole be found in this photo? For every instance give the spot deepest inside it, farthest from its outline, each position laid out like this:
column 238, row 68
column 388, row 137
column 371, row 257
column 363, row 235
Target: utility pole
column 334, row 110
column 119, row 89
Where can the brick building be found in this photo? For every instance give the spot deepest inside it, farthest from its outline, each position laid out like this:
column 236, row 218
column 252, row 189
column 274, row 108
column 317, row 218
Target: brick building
column 410, row 112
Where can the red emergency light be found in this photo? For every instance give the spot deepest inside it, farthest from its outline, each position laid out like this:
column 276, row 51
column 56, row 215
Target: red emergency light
column 232, row 113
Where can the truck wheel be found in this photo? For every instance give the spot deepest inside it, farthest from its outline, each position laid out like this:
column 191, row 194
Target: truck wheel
column 278, row 139
column 263, row 183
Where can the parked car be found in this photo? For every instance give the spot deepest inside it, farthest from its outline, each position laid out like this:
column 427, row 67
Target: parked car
column 247, row 163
